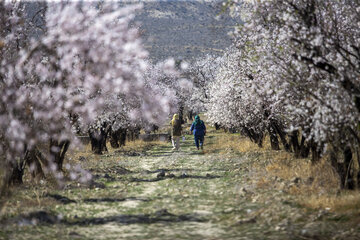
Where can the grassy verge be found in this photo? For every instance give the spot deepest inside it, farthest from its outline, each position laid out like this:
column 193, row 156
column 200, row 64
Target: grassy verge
column 315, row 186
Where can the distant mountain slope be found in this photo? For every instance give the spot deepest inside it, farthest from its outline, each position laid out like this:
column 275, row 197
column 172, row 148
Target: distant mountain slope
column 184, row 29
column 172, row 28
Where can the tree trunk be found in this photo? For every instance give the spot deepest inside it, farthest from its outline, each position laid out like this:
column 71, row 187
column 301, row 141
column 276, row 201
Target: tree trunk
column 315, row 152
column 279, row 130
column 122, row 138
column 114, row 138
column 16, row 172
column 118, row 138
column 304, row 149
column 349, row 180
column 300, row 150
column 130, row 135
column 259, row 139
column 337, row 166
column 181, row 113
column 133, row 133
column 98, row 141
column 154, row 128
column 34, row 159
column 58, row 151
column 190, row 115
column 294, row 140
column 255, row 137
column 273, row 139
column 343, row 167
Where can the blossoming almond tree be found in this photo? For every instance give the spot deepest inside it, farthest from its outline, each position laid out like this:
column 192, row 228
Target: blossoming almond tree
column 202, row 72
column 167, row 78
column 237, row 100
column 86, row 53
column 122, row 114
column 308, row 51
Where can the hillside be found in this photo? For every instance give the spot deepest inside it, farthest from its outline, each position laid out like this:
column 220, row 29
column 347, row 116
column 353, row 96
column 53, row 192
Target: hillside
column 184, row 29
column 179, row 29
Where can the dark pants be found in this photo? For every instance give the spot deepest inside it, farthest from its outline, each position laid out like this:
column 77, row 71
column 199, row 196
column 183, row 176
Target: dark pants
column 199, row 138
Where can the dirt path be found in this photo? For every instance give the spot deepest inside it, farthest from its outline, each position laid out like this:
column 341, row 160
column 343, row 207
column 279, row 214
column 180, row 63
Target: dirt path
column 162, row 194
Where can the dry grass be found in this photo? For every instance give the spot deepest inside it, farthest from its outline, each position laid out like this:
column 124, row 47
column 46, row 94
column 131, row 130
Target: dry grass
column 140, row 145
column 234, row 143
column 263, row 182
column 285, row 166
column 137, row 145
column 29, row 197
column 346, row 201
column 24, row 199
column 319, row 185
column 319, row 177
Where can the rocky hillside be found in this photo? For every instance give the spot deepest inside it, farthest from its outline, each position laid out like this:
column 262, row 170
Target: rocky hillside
column 184, row 29
column 172, row 28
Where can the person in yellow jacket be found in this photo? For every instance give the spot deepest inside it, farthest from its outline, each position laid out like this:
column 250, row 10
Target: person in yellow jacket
column 176, row 131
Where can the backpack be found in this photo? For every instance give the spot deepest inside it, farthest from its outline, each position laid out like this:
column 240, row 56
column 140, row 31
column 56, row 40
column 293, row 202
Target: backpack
column 176, row 128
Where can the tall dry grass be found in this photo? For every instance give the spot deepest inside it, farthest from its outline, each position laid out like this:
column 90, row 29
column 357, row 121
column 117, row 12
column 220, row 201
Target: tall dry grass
column 136, row 146
column 321, row 175
column 223, row 143
column 319, row 187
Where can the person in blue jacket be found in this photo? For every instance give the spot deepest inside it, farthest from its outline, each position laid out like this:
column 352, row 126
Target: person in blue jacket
column 199, row 130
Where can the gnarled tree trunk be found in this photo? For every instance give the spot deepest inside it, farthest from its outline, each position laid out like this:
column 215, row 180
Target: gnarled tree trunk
column 257, row 138
column 349, row 181
column 58, row 150
column 114, row 139
column 36, row 161
column 118, row 138
column 190, row 115
column 315, row 152
column 133, row 133
column 294, row 140
column 98, row 140
column 342, row 162
column 32, row 158
column 280, row 131
column 273, row 139
column 16, row 172
column 300, row 150
column 304, row 149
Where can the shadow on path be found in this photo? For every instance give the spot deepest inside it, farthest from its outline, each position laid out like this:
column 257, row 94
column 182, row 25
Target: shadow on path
column 97, row 200
column 115, row 169
column 59, row 198
column 162, row 154
column 182, row 170
column 65, row 200
column 172, row 176
column 169, row 170
column 161, row 216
